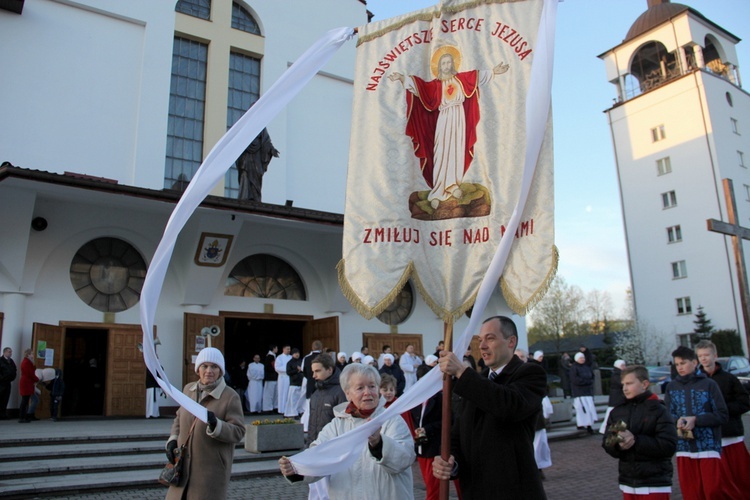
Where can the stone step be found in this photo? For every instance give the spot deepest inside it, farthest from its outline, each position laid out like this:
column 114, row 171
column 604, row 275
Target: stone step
column 56, row 465
column 144, row 477
column 76, row 448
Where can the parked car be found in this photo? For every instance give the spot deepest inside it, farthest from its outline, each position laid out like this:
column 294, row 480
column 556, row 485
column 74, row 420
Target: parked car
column 738, row 366
column 659, row 376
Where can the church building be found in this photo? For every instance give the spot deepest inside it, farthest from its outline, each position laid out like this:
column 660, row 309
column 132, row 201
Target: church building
column 680, row 124
column 109, row 109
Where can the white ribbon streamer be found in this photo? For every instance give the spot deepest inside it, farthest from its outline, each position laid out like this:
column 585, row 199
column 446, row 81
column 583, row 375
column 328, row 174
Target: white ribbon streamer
column 340, row 453
column 213, row 168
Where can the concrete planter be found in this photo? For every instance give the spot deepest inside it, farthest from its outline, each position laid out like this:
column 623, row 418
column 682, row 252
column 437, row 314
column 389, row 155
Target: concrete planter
column 563, row 410
column 274, row 437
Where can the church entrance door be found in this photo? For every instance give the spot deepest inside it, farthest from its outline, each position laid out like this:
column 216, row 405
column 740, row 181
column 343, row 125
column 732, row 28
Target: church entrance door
column 103, row 370
column 243, row 335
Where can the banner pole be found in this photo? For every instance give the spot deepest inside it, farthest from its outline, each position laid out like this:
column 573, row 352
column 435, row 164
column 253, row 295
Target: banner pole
column 445, row 430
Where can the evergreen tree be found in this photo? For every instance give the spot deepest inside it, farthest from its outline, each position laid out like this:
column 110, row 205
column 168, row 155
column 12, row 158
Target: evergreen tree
column 703, row 327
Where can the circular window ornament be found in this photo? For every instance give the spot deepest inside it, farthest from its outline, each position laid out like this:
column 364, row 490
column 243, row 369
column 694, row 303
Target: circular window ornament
column 108, row 274
column 399, row 310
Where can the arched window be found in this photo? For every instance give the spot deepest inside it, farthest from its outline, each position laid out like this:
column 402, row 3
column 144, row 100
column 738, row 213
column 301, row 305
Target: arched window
column 244, row 90
column 243, row 20
column 187, row 100
column 265, row 276
column 107, row 274
column 713, row 60
column 196, row 8
column 652, row 66
column 198, row 76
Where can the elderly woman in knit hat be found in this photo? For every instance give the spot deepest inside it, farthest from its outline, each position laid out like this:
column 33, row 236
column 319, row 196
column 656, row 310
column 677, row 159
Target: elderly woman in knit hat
column 391, row 368
column 341, row 361
column 383, row 468
column 209, row 455
column 582, row 387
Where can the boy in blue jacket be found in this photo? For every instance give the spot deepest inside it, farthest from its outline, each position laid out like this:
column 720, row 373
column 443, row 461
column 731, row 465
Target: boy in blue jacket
column 697, row 406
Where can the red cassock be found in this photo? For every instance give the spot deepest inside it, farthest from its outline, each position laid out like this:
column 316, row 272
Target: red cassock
column 422, row 114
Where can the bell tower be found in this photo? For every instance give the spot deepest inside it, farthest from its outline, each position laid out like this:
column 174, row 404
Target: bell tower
column 680, row 123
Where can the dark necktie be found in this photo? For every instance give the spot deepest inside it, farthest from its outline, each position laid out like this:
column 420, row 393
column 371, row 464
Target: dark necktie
column 493, row 376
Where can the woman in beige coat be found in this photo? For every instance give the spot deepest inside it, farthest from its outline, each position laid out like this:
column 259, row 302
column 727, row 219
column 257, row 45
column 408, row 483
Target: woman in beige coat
column 208, row 463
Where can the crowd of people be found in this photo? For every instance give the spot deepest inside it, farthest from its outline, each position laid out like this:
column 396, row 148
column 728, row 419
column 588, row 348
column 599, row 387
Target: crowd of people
column 500, row 412
column 30, row 386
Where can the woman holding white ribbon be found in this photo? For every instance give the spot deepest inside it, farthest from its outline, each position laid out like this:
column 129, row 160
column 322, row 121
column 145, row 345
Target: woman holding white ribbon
column 383, row 469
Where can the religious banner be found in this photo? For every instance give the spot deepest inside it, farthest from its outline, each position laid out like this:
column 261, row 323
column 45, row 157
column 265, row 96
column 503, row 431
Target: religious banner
column 437, row 155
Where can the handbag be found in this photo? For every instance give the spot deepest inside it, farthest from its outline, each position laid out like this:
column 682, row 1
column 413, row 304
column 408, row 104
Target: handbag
column 173, row 473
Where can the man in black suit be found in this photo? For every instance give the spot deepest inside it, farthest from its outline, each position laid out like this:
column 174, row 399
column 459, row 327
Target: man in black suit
column 492, row 442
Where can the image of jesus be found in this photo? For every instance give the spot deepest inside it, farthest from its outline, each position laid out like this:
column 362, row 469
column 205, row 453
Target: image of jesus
column 442, row 116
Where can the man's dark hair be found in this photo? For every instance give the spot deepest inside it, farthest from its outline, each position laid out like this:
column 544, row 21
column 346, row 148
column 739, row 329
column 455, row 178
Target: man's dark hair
column 507, row 326
column 684, row 353
column 295, row 351
column 325, row 360
column 640, row 372
column 364, row 347
column 386, row 347
column 271, row 347
column 317, row 345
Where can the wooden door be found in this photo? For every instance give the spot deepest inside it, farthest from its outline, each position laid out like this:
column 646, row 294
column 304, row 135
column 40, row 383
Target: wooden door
column 324, row 329
column 398, row 343
column 125, row 386
column 53, row 337
column 192, row 339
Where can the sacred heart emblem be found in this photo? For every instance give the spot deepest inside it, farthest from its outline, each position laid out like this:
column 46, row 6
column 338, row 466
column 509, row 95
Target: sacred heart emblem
column 450, row 89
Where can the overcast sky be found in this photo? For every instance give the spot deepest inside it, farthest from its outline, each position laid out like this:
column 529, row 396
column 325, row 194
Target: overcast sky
column 588, row 218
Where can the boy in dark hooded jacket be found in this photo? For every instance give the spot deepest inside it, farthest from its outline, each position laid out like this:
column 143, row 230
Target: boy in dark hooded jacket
column 641, row 434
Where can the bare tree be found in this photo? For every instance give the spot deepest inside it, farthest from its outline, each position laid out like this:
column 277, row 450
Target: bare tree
column 559, row 312
column 641, row 343
column 598, row 309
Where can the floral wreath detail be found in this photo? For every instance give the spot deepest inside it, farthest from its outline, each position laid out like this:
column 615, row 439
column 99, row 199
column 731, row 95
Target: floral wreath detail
column 278, row 421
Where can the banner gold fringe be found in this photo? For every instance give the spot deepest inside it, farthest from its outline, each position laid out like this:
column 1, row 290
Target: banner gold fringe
column 521, row 308
column 427, row 16
column 449, row 317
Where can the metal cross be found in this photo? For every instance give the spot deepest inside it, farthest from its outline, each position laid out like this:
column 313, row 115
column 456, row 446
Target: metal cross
column 738, row 233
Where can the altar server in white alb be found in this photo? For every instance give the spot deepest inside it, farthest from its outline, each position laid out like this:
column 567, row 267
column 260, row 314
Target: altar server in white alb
column 254, row 394
column 409, row 363
column 582, row 387
column 282, row 384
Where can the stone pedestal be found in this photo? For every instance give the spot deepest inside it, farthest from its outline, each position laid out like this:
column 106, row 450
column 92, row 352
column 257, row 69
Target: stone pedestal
column 274, row 437
column 563, row 410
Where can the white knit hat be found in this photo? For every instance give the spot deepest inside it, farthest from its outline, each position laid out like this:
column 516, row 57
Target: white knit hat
column 210, row 355
column 341, row 355
column 538, row 354
column 388, row 356
column 368, row 359
column 620, row 363
column 356, row 355
column 579, row 355
column 430, row 359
